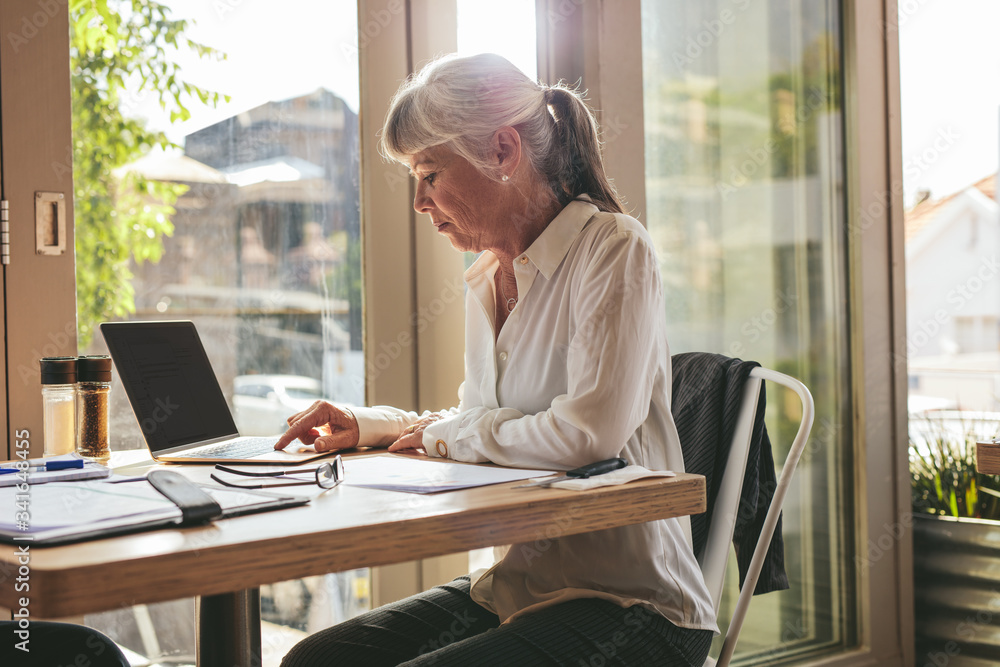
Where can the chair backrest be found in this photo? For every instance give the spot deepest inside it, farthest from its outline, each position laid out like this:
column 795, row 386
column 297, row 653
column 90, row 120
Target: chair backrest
column 727, row 504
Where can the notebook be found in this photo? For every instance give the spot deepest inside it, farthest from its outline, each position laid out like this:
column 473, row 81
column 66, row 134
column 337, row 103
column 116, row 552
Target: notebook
column 177, row 399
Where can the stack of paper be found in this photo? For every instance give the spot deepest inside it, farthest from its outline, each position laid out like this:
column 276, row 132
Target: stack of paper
column 70, row 511
column 11, row 474
column 398, row 473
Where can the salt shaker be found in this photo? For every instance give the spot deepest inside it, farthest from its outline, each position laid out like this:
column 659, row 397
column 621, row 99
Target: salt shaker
column 93, row 374
column 58, row 404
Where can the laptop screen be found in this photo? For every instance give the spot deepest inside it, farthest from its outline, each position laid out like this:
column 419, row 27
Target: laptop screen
column 170, row 383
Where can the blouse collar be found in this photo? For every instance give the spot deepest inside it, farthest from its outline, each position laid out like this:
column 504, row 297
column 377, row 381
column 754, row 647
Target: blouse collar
column 550, row 248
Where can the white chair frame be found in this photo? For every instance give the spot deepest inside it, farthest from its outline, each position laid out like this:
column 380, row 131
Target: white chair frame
column 727, row 504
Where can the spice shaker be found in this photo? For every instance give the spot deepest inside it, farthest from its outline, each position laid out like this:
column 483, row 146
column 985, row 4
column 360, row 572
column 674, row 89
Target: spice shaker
column 93, row 375
column 58, row 404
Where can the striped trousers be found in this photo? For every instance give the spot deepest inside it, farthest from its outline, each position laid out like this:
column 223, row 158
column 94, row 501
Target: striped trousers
column 444, row 627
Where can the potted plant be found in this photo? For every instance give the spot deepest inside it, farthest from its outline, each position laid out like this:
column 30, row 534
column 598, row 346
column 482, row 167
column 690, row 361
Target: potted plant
column 956, row 540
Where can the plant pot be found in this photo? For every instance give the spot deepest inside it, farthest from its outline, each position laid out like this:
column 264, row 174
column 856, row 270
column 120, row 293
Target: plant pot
column 956, row 569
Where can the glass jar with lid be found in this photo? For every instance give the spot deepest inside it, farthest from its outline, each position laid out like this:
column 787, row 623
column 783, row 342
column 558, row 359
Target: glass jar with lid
column 58, row 405
column 93, row 374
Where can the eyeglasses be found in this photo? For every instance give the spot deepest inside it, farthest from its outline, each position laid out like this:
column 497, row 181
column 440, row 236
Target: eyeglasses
column 327, row 475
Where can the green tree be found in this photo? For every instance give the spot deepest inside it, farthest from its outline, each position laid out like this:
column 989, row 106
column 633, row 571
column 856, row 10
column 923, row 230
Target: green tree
column 121, row 50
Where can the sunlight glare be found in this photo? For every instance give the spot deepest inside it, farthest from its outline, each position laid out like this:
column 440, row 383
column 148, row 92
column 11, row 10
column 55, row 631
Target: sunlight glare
column 507, row 29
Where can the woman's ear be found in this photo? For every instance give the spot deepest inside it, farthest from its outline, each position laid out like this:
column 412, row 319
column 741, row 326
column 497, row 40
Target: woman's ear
column 507, row 149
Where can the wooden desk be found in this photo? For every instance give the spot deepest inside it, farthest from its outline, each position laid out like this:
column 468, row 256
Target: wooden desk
column 345, row 528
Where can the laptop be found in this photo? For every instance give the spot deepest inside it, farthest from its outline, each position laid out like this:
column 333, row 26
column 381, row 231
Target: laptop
column 177, row 399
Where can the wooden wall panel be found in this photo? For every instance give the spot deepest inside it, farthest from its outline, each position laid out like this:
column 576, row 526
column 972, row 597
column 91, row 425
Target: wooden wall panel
column 39, row 291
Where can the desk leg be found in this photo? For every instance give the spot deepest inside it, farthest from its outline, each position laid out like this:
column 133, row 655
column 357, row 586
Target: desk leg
column 229, row 629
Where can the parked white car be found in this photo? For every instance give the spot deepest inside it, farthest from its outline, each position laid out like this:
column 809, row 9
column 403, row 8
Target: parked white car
column 263, row 403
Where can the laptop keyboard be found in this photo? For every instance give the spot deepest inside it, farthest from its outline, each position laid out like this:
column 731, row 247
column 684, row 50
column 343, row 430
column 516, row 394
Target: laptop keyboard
column 237, row 449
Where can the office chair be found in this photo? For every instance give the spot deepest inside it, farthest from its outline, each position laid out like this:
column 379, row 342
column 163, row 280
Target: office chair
column 53, row 643
column 722, row 523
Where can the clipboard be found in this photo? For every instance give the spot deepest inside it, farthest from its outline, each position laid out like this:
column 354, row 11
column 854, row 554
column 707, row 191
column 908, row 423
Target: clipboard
column 59, row 513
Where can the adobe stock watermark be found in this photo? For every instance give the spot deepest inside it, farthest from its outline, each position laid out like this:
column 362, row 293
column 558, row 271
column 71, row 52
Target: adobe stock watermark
column 741, row 174
column 962, row 293
column 60, row 343
column 886, row 541
column 633, row 623
column 31, row 25
column 792, row 631
column 22, row 519
column 966, row 629
column 559, row 526
column 425, row 316
column 914, row 166
column 371, row 28
column 564, row 10
column 223, row 7
column 710, row 31
column 396, row 175
column 161, row 413
column 453, row 633
column 905, row 10
column 825, row 432
column 760, row 156
column 611, row 301
column 756, row 326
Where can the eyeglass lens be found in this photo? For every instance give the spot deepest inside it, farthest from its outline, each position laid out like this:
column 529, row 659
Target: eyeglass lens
column 330, row 474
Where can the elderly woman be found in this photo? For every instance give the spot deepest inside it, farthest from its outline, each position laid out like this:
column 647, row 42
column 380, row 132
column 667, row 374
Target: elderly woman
column 566, row 363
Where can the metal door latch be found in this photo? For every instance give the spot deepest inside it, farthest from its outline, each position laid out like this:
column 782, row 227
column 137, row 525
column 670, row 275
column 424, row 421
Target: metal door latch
column 50, row 223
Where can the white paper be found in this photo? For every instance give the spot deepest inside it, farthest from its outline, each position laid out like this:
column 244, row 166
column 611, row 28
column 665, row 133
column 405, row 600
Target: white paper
column 61, row 504
column 613, row 478
column 398, row 473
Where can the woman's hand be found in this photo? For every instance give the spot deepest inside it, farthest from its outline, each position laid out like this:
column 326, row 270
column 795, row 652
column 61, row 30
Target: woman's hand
column 412, row 435
column 323, row 425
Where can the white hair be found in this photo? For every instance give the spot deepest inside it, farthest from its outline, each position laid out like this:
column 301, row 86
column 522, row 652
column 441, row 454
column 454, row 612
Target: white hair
column 461, row 102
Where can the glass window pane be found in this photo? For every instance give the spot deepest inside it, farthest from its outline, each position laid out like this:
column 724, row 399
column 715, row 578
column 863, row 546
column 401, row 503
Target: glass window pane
column 217, row 180
column 744, row 188
column 507, row 30
column 950, row 159
column 950, row 183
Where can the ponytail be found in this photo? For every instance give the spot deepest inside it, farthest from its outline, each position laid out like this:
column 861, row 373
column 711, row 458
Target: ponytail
column 576, row 164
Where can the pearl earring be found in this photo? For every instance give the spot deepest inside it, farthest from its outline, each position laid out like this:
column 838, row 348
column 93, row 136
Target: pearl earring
column 505, row 178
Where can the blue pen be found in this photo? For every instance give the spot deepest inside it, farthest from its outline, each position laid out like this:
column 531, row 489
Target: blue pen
column 67, row 464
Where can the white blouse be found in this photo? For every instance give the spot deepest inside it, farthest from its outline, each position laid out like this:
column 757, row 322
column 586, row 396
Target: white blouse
column 579, row 373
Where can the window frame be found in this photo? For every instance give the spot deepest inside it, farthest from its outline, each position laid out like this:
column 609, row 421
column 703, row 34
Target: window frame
column 413, row 289
column 404, row 272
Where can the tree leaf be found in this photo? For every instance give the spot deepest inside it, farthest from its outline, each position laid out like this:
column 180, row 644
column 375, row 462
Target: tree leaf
column 120, row 218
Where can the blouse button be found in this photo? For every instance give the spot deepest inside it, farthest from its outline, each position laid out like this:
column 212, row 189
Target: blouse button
column 523, row 260
column 503, row 356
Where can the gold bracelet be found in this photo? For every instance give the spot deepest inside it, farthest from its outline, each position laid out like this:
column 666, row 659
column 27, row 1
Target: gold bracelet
column 441, row 445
